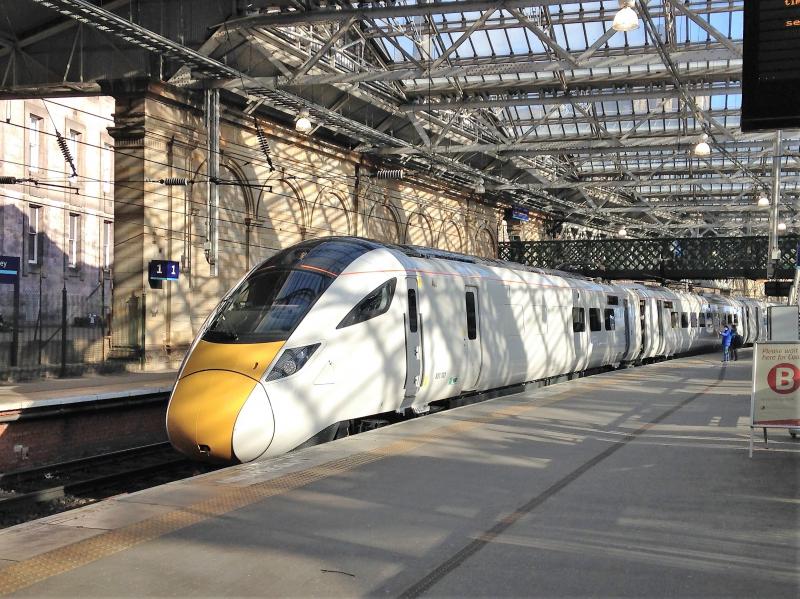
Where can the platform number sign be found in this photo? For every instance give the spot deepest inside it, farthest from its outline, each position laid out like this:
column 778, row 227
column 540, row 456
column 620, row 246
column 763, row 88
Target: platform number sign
column 164, row 270
column 784, row 378
column 9, row 270
column 776, row 386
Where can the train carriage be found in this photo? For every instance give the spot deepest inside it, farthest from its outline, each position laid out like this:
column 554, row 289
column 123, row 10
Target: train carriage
column 341, row 328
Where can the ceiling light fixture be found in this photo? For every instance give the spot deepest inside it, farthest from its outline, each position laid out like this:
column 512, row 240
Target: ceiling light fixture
column 781, row 226
column 702, row 148
column 623, row 232
column 626, row 19
column 480, row 187
column 763, row 201
column 303, row 122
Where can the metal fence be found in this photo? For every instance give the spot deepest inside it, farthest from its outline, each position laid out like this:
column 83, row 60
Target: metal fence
column 54, row 330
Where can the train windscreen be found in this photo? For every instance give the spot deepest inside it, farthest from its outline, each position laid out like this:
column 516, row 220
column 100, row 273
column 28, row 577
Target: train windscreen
column 267, row 306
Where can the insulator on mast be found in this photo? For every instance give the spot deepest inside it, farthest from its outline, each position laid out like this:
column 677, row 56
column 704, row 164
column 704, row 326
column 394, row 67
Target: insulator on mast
column 174, row 181
column 397, row 173
column 62, row 145
column 263, row 143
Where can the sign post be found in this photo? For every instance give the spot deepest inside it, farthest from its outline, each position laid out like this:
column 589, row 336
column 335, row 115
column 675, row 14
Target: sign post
column 775, row 401
column 9, row 275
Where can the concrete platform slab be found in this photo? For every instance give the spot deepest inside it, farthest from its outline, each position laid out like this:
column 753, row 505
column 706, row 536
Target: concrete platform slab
column 53, row 392
column 634, row 483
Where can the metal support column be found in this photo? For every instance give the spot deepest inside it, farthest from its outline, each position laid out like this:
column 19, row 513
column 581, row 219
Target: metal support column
column 212, row 200
column 774, row 250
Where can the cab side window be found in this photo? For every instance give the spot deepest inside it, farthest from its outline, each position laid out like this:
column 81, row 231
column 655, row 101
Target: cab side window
column 377, row 302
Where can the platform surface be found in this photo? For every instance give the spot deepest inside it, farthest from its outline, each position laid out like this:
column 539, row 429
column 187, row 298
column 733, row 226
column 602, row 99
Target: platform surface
column 53, row 392
column 635, row 483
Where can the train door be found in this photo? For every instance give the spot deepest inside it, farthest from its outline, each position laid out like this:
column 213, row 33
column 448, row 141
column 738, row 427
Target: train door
column 745, row 332
column 626, row 318
column 644, row 327
column 757, row 336
column 580, row 335
column 661, row 336
column 414, row 350
column 472, row 342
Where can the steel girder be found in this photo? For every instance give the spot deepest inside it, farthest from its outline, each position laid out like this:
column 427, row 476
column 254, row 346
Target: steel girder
column 467, row 124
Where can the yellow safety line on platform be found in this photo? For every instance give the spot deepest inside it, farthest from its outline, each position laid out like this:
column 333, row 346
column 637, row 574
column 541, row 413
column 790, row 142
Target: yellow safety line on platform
column 64, row 559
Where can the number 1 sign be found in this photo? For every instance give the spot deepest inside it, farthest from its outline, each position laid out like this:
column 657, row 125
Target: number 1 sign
column 164, row 270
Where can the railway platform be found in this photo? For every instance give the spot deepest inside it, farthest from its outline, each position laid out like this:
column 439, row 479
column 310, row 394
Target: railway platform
column 50, row 421
column 57, row 392
column 627, row 484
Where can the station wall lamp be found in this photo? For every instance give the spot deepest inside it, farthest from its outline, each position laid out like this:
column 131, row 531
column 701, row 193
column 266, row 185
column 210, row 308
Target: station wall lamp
column 626, row 18
column 303, row 122
column 702, row 148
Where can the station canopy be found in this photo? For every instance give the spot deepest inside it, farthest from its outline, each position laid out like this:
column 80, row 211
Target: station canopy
column 541, row 103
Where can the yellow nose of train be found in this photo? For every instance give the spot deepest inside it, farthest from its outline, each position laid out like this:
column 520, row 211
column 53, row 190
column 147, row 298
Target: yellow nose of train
column 219, row 410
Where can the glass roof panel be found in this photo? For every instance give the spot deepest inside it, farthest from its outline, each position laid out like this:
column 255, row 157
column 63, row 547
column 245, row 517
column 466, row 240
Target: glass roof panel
column 505, row 88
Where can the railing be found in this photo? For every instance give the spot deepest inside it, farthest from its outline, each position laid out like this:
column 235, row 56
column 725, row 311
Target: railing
column 57, row 333
column 664, row 258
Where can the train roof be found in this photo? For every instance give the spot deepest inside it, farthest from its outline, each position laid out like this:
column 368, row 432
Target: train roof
column 334, row 254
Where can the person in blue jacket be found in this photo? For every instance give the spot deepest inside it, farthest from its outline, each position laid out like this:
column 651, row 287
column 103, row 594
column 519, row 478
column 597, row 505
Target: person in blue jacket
column 727, row 338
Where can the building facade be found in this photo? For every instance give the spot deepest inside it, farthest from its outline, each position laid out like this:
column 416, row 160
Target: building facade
column 58, row 221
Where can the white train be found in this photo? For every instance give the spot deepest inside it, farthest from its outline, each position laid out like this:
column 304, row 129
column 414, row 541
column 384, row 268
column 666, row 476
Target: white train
column 341, row 328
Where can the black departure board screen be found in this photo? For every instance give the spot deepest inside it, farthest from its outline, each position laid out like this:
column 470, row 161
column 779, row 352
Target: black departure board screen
column 771, row 72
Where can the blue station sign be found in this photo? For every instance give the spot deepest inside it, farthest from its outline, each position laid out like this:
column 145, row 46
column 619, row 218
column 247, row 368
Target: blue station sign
column 9, row 270
column 518, row 213
column 164, row 270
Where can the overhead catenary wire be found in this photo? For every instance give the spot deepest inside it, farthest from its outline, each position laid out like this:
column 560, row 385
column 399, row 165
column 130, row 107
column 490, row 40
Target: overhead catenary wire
column 312, row 177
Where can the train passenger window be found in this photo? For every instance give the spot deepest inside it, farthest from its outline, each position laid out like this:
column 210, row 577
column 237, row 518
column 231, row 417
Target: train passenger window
column 684, row 320
column 412, row 311
column 610, row 320
column 613, row 300
column 377, row 302
column 668, row 305
column 594, row 319
column 709, row 320
column 736, row 319
column 694, row 320
column 472, row 321
column 673, row 318
column 728, row 319
column 578, row 320
column 702, row 319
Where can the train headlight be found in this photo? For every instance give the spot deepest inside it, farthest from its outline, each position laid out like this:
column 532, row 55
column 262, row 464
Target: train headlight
column 291, row 361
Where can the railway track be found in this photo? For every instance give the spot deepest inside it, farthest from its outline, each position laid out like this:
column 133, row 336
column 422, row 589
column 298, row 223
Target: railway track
column 28, row 494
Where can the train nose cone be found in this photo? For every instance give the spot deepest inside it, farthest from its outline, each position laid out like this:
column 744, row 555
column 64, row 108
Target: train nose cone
column 255, row 426
column 203, row 412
